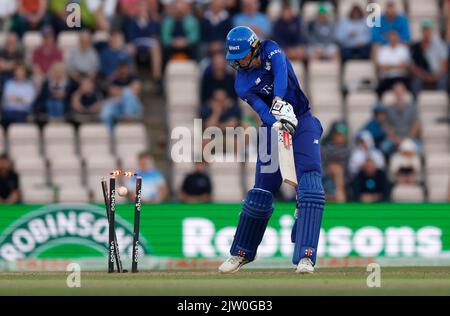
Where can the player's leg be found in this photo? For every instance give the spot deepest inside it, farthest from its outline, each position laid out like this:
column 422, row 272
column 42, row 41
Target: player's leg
column 256, row 212
column 310, row 194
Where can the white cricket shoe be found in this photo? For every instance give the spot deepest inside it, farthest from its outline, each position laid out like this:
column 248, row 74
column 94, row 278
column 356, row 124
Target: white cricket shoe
column 232, row 264
column 305, row 266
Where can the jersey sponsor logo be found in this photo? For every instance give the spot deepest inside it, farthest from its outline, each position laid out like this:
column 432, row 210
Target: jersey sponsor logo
column 267, row 89
column 276, row 51
column 231, row 48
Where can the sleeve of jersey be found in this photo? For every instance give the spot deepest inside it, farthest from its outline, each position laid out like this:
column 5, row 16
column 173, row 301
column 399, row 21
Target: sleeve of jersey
column 260, row 107
column 279, row 70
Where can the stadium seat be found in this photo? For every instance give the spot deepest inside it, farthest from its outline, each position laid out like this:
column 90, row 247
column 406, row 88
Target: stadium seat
column 68, row 40
column 399, row 4
column 300, row 72
column 344, row 6
column 408, row 194
column 388, row 98
column 41, row 195
column 226, row 179
column 359, row 74
column 3, row 36
column 31, row 40
column 432, row 105
column 59, row 140
column 249, row 175
column 423, row 9
column 438, row 163
column 23, row 140
column 73, row 195
column 94, row 140
column 66, row 171
column 359, row 109
column 101, row 165
column 179, row 172
column 130, row 132
column 438, row 187
column 2, row 141
column 23, row 134
column 328, row 70
column 32, row 171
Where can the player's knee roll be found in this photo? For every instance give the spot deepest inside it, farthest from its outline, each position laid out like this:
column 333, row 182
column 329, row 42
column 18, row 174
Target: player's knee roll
column 258, row 203
column 310, row 189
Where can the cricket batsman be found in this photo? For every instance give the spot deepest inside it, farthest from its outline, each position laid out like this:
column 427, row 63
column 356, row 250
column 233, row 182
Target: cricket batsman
column 267, row 82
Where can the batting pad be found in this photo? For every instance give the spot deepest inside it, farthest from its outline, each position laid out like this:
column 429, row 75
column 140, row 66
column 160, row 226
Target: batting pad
column 256, row 212
column 311, row 200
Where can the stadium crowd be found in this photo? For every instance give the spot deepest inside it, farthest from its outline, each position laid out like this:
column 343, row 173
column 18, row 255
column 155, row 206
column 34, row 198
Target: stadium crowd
column 96, row 80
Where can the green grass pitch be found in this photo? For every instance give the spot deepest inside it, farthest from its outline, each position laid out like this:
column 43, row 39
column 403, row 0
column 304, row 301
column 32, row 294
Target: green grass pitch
column 326, row 281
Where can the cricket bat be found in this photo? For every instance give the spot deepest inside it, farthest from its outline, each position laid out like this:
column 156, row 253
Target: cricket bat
column 286, row 158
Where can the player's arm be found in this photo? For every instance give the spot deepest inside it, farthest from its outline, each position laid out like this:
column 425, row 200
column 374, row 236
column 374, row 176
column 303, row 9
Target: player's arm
column 259, row 106
column 279, row 71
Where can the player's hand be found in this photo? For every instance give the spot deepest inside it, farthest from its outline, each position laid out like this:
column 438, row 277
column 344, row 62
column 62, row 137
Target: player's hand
column 285, row 125
column 284, row 113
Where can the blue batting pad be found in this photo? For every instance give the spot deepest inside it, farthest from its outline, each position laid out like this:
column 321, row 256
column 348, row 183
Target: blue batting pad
column 256, row 212
column 311, row 200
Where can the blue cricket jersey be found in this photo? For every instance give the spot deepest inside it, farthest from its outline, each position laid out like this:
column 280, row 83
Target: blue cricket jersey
column 275, row 77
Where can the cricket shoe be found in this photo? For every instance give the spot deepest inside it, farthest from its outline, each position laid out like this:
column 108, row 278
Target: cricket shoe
column 305, row 266
column 232, row 264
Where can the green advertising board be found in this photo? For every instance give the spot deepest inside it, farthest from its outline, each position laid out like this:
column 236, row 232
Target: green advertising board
column 189, row 236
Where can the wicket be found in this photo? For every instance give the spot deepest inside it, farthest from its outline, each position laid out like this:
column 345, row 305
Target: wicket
column 110, row 204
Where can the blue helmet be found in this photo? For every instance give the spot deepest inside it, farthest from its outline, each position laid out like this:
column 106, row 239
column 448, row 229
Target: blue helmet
column 240, row 41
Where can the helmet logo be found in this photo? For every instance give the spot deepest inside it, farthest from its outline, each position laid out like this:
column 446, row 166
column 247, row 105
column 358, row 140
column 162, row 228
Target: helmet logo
column 252, row 39
column 234, row 47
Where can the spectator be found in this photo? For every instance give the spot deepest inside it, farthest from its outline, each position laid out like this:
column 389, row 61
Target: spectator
column 221, row 112
column 32, row 16
column 216, row 22
column 377, row 126
column 197, row 187
column 84, row 60
column 123, row 101
column 251, row 17
column 390, row 21
column 129, row 7
column 393, row 63
column 59, row 15
column 142, row 35
column 111, row 56
column 429, row 61
column 10, row 56
column 288, row 33
column 354, row 36
column 154, row 186
column 446, row 11
column 7, row 10
column 54, row 97
column 405, row 166
column 45, row 55
column 9, row 182
column 335, row 153
column 99, row 14
column 402, row 121
column 86, row 102
column 371, row 184
column 364, row 146
column 321, row 36
column 180, row 32
column 18, row 97
column 215, row 77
